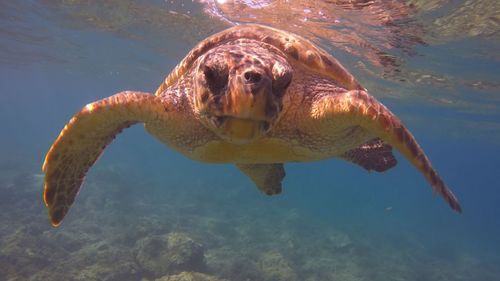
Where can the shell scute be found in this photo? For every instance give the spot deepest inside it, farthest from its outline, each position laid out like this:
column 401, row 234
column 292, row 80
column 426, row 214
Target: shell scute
column 295, row 47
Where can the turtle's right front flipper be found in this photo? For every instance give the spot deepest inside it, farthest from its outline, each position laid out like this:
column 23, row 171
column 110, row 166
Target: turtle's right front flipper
column 84, row 138
column 361, row 110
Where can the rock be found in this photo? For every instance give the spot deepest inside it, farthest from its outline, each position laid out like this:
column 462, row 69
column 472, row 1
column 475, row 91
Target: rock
column 167, row 254
column 190, row 276
column 275, row 267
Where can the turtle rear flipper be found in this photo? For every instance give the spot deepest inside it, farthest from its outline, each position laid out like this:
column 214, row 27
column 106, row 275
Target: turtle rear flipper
column 375, row 155
column 83, row 140
column 267, row 177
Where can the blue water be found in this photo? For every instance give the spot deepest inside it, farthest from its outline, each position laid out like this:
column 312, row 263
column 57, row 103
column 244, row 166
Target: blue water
column 333, row 221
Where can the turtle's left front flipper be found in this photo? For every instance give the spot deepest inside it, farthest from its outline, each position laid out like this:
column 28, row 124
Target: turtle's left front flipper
column 358, row 108
column 84, row 138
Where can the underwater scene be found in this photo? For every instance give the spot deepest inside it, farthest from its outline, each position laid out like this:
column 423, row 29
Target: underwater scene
column 146, row 212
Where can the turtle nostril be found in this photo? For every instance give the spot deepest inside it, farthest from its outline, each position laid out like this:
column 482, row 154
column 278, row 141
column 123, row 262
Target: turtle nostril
column 252, row 77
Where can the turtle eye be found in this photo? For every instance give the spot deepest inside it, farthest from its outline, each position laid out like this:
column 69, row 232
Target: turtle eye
column 216, row 78
column 282, row 77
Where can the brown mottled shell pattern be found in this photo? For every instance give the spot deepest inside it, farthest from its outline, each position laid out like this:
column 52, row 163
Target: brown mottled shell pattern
column 294, row 46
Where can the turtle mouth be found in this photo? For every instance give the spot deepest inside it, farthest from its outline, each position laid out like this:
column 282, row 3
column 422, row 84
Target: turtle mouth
column 219, row 121
column 237, row 129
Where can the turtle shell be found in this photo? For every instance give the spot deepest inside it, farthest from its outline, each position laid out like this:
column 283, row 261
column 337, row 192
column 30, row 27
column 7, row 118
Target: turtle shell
column 294, row 46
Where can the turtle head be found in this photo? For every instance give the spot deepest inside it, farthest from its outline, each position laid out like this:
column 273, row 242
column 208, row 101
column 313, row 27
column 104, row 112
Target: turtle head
column 239, row 87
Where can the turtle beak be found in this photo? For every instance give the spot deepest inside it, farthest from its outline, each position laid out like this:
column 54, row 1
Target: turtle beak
column 248, row 96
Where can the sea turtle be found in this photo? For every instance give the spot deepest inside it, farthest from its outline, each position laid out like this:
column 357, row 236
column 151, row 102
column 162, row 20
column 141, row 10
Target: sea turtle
column 250, row 95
